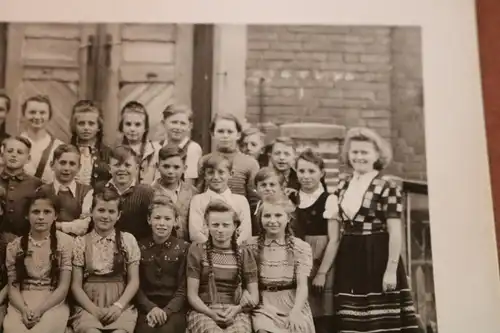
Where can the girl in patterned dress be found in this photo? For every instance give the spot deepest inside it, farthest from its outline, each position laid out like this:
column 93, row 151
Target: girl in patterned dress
column 39, row 272
column 221, row 277
column 284, row 266
column 134, row 125
column 105, row 271
column 86, row 134
column 316, row 225
column 371, row 286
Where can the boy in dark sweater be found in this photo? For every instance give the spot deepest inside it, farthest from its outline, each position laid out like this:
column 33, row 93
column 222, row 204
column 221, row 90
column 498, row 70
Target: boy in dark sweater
column 135, row 198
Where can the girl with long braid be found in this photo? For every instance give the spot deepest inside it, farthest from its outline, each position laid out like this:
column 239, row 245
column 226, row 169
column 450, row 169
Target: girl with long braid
column 134, row 125
column 285, row 263
column 105, row 271
column 87, row 135
column 221, row 277
column 39, row 272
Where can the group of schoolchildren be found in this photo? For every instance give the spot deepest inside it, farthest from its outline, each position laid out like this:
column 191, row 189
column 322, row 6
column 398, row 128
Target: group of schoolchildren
column 154, row 236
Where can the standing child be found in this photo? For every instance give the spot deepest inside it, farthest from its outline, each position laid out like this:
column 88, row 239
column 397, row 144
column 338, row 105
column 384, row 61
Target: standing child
column 86, row 134
column 105, row 271
column 39, row 272
column 37, row 112
column 18, row 186
column 5, row 103
column 178, row 122
column 282, row 157
column 268, row 183
column 217, row 170
column 171, row 166
column 134, row 125
column 161, row 298
column 226, row 133
column 252, row 144
column 74, row 197
column 316, row 225
column 135, row 197
column 221, row 277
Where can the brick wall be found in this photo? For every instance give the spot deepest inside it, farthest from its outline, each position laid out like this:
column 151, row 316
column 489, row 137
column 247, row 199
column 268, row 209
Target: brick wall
column 335, row 75
column 407, row 104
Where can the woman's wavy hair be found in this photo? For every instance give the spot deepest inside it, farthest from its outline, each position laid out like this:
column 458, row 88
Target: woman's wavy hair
column 368, row 135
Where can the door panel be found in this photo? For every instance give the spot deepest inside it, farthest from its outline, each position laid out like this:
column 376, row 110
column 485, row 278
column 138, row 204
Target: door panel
column 145, row 65
column 52, row 60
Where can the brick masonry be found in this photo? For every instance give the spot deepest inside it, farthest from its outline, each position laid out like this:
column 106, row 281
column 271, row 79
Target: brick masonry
column 350, row 76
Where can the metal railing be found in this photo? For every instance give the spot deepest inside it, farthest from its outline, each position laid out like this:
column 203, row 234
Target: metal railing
column 417, row 251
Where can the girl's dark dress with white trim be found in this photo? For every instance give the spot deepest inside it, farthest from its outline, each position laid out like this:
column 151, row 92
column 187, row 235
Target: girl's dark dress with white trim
column 361, row 305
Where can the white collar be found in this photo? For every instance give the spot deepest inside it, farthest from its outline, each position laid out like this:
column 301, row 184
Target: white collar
column 181, row 145
column 365, row 177
column 314, row 195
column 72, row 187
column 111, row 183
column 227, row 194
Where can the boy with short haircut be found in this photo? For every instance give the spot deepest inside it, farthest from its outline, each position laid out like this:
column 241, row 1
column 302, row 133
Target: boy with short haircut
column 216, row 170
column 75, row 198
column 135, row 197
column 178, row 122
column 18, row 186
column 171, row 166
column 282, row 156
column 252, row 144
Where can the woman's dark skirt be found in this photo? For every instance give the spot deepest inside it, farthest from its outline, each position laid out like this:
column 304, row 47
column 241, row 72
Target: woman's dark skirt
column 360, row 303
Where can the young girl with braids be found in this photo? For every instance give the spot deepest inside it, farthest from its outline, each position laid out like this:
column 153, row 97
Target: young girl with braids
column 37, row 112
column 221, row 277
column 134, row 125
column 285, row 263
column 161, row 299
column 86, row 134
column 105, row 271
column 316, row 225
column 39, row 272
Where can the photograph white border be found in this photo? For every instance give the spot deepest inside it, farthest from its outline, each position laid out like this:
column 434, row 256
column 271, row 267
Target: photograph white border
column 462, row 224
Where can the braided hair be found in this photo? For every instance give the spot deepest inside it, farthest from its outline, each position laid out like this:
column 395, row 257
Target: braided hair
column 282, row 201
column 21, row 271
column 220, row 206
column 108, row 194
column 86, row 106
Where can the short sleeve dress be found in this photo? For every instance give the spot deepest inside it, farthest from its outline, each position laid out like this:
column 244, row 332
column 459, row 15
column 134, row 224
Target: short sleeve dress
column 36, row 287
column 365, row 205
column 225, row 275
column 279, row 265
column 102, row 284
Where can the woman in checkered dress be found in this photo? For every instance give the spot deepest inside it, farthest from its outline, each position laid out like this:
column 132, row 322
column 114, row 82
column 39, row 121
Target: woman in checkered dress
column 371, row 287
column 221, row 277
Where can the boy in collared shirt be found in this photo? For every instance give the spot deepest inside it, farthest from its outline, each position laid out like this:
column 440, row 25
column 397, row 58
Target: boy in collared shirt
column 171, row 166
column 18, row 186
column 282, row 156
column 135, row 198
column 75, row 198
column 216, row 170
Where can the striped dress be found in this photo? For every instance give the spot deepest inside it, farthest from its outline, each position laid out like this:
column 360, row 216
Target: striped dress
column 225, row 270
column 361, row 304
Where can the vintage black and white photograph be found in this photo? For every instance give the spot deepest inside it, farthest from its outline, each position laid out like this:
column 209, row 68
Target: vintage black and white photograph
column 214, row 178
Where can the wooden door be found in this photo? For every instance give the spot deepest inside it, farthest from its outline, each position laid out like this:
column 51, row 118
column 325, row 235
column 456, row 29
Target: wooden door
column 53, row 60
column 149, row 63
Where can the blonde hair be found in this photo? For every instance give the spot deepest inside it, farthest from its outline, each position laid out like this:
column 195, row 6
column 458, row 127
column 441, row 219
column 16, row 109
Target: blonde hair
column 368, row 135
